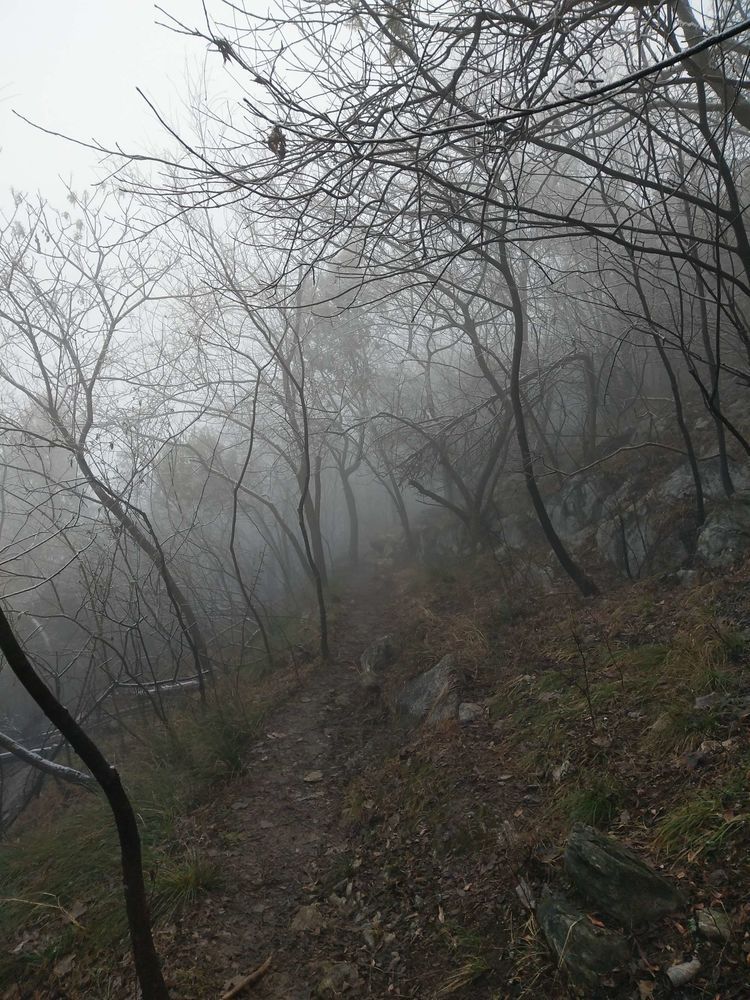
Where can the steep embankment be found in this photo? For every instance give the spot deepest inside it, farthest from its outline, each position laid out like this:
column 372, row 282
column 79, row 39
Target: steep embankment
column 372, row 856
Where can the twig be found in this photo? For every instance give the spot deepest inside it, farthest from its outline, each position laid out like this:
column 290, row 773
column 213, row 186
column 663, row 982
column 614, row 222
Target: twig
column 250, row 980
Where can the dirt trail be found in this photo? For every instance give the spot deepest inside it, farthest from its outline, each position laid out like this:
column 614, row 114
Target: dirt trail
column 279, row 829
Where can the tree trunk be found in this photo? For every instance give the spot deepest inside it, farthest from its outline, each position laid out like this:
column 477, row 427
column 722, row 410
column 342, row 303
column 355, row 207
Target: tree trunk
column 351, row 506
column 721, row 438
column 147, row 965
column 584, row 583
column 183, row 609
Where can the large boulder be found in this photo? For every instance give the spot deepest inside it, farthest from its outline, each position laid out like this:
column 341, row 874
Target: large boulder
column 587, row 952
column 681, row 486
column 615, row 881
column 725, row 535
column 432, row 696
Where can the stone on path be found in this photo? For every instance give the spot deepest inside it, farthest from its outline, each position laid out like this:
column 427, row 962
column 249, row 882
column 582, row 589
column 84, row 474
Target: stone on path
column 713, row 924
column 433, row 695
column 308, row 918
column 379, row 654
column 337, row 977
column 312, row 777
column 375, row 659
column 680, row 975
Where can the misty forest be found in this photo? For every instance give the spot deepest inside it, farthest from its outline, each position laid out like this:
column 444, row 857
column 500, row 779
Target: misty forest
column 375, row 515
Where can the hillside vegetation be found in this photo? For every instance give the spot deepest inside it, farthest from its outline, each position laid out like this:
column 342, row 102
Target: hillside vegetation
column 371, row 855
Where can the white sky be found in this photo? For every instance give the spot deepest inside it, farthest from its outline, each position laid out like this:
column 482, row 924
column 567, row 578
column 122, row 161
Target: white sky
column 73, row 66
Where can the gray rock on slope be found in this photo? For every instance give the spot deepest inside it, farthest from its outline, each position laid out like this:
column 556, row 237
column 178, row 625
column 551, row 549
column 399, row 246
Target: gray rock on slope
column 432, row 696
column 586, row 952
column 725, row 535
column 615, row 881
column 379, row 655
column 471, row 711
column 681, row 486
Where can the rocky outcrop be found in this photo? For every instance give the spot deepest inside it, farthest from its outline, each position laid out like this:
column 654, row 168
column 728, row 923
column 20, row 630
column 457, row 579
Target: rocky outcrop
column 680, row 486
column 587, row 952
column 725, row 535
column 432, row 696
column 638, row 538
column 577, row 506
column 615, row 881
column 647, row 523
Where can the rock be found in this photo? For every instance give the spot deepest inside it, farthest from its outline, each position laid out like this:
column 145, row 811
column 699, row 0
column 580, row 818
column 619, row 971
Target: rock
column 432, row 696
column 337, row 977
column 687, row 577
column 378, row 655
column 559, row 771
column 549, row 696
column 577, row 505
column 312, row 777
column 516, row 529
column 713, row 924
column 586, row 951
column 507, row 835
column 717, row 877
column 693, row 759
column 373, row 662
column 712, row 700
column 680, row 485
column 526, row 894
column 661, row 724
column 679, row 975
column 725, row 535
column 470, row 711
column 308, row 918
column 638, row 538
column 615, row 881
column 64, row 966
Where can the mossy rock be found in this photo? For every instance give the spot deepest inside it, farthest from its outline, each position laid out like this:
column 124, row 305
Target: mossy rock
column 587, row 952
column 615, row 881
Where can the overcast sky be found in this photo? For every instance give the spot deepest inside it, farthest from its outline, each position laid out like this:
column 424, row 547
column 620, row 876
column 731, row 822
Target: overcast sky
column 73, row 66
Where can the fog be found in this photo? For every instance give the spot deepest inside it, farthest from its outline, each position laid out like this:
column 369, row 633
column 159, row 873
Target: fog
column 382, row 284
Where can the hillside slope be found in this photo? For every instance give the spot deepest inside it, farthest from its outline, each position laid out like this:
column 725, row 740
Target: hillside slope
column 370, row 855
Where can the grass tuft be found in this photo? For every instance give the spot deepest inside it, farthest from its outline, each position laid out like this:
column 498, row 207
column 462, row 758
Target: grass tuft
column 699, row 826
column 596, row 803
column 67, row 862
